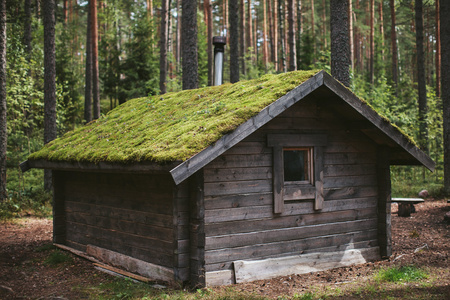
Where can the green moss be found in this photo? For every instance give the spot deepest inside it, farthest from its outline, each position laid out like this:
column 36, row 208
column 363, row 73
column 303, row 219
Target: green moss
column 173, row 126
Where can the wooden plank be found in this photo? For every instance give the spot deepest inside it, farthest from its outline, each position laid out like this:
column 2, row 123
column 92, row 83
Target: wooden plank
column 278, row 180
column 238, row 200
column 296, row 140
column 131, row 264
column 59, row 213
column 238, row 187
column 348, row 170
column 149, row 218
column 198, row 161
column 242, row 226
column 237, row 174
column 249, row 147
column 318, row 177
column 242, row 161
column 349, row 158
column 246, row 271
column 384, row 202
column 360, row 245
column 216, row 278
column 197, row 230
column 294, row 247
column 303, row 207
column 299, row 192
column 408, row 200
column 287, row 234
column 350, row 181
column 350, row 192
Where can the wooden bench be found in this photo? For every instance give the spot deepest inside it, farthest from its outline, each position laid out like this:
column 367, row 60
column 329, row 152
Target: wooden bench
column 406, row 205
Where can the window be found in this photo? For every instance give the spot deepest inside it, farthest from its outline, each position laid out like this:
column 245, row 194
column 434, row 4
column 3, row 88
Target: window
column 297, row 168
column 297, row 165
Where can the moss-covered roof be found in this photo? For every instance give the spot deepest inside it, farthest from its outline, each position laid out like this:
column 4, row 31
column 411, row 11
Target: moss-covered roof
column 170, row 127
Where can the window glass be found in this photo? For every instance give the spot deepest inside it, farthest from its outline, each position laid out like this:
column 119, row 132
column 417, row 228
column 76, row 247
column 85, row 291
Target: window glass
column 296, row 164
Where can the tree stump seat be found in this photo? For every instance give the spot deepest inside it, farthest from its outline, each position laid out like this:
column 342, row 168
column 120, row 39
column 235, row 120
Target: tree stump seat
column 406, row 205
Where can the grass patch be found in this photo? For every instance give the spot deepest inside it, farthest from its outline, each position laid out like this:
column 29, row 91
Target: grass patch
column 401, row 274
column 57, row 257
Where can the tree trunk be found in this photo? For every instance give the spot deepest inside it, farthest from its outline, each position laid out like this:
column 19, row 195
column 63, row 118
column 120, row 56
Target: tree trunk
column 350, row 28
column 49, row 81
column 340, row 46
column 282, row 32
column 189, row 44
column 27, row 28
column 209, row 28
column 423, row 107
column 242, row 49
column 275, row 35
column 291, row 22
column 394, row 48
column 324, row 24
column 372, row 42
column 444, row 12
column 381, row 30
column 163, row 46
column 438, row 51
column 313, row 29
column 233, row 13
column 65, row 11
column 95, row 79
column 3, row 128
column 270, row 9
column 265, row 48
column 178, row 56
column 250, row 29
column 88, row 72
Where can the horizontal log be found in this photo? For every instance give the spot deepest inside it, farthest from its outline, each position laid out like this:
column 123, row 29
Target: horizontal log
column 294, row 247
column 238, row 187
column 131, row 264
column 246, row 271
column 349, row 158
column 287, row 234
column 237, row 174
column 216, row 278
column 349, row 170
column 249, row 148
column 350, row 181
column 350, row 192
column 242, row 226
column 242, row 161
column 239, row 200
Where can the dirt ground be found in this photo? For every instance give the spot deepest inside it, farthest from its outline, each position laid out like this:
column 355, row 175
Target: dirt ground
column 422, row 240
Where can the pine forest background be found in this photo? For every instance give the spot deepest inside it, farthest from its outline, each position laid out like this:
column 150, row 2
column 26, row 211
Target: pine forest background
column 383, row 66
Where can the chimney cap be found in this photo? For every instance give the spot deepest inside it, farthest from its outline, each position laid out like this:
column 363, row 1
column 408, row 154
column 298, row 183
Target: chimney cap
column 219, row 41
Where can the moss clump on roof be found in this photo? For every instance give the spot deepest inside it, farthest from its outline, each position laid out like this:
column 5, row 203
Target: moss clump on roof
column 170, row 127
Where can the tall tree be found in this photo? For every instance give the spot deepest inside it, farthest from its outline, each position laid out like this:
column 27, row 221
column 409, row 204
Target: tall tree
column 189, row 42
column 340, row 46
column 445, row 86
column 438, row 51
column 264, row 32
column 163, row 46
column 233, row 14
column 88, row 73
column 372, row 42
column 242, row 35
column 94, row 44
column 209, row 28
column 275, row 34
column 423, row 107
column 48, row 8
column 394, row 47
column 351, row 37
column 291, row 36
column 3, row 131
column 27, row 28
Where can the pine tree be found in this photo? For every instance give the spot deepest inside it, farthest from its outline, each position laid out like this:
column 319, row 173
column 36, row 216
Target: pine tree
column 445, row 86
column 49, row 81
column 340, row 46
column 3, row 131
column 189, row 44
column 163, row 46
column 233, row 13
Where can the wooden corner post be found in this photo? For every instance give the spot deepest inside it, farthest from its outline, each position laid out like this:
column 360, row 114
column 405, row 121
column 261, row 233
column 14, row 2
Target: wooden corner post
column 197, row 230
column 59, row 216
column 384, row 202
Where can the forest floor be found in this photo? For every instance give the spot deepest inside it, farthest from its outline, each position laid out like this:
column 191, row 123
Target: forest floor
column 31, row 268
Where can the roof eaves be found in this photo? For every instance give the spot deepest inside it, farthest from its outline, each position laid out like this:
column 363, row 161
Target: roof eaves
column 378, row 121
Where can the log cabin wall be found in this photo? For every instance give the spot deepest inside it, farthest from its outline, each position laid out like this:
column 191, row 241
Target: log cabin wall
column 131, row 214
column 238, row 198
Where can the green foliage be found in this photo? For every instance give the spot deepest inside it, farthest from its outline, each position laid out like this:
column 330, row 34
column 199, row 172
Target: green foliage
column 401, row 274
column 173, row 126
column 58, row 257
column 140, row 68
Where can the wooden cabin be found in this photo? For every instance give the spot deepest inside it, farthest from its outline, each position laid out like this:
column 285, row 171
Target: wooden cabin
column 281, row 175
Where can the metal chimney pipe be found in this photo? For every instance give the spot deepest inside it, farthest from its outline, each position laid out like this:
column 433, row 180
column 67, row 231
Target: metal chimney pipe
column 219, row 43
